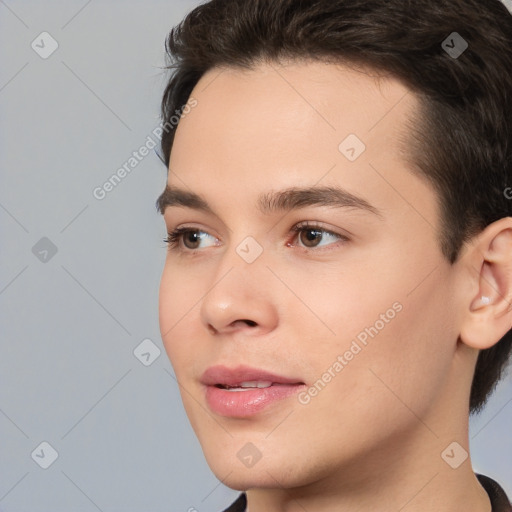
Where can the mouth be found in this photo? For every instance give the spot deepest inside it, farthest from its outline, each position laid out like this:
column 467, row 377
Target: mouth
column 244, row 386
column 243, row 377
column 244, row 391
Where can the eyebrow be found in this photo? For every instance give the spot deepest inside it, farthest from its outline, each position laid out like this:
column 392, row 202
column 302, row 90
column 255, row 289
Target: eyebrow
column 274, row 201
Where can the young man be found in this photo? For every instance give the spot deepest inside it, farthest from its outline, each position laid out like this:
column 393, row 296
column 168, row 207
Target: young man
column 337, row 294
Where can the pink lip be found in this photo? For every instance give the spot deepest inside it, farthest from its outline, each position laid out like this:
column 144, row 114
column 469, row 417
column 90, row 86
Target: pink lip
column 232, row 377
column 245, row 403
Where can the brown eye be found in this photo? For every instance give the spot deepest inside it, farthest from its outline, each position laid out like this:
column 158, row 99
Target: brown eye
column 190, row 238
column 310, row 237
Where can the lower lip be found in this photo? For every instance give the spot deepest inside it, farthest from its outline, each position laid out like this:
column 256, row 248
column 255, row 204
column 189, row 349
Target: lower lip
column 247, row 403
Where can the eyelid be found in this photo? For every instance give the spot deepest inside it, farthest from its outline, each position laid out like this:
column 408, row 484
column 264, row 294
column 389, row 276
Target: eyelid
column 343, row 233
column 179, row 232
column 319, row 226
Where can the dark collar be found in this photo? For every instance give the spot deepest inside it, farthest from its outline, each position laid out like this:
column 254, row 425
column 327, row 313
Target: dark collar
column 239, row 505
column 497, row 496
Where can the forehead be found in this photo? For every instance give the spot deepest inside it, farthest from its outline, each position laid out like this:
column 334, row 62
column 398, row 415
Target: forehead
column 276, row 111
column 342, row 96
column 301, row 124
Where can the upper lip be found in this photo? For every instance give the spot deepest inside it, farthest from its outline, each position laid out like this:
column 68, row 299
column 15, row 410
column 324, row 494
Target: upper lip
column 233, row 376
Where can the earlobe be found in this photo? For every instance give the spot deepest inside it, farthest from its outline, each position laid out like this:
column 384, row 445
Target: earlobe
column 489, row 315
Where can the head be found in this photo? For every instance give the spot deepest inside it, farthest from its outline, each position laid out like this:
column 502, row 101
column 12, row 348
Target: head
column 382, row 322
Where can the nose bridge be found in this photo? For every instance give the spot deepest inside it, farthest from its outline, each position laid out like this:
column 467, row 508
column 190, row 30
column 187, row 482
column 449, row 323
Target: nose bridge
column 240, row 288
column 245, row 254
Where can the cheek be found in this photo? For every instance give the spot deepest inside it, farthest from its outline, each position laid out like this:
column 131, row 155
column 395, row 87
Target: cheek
column 422, row 343
column 166, row 305
column 394, row 336
column 174, row 304
column 396, row 355
column 345, row 305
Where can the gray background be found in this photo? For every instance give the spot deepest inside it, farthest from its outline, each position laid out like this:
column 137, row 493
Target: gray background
column 70, row 321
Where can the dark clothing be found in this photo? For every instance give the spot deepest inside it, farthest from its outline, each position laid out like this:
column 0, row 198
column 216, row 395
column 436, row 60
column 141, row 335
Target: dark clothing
column 239, row 505
column 499, row 500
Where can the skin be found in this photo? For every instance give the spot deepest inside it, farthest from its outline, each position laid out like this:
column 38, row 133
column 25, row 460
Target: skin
column 372, row 438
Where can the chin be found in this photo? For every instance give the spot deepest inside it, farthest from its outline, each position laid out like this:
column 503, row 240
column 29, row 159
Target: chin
column 243, row 479
column 278, row 471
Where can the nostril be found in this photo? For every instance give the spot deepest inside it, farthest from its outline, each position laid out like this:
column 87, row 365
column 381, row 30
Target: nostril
column 251, row 323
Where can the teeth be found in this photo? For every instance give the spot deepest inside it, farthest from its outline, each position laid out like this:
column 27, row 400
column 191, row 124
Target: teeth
column 249, row 385
column 256, row 384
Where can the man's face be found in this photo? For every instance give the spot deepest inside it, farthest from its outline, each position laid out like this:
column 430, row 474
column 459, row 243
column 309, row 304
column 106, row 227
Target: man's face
column 354, row 311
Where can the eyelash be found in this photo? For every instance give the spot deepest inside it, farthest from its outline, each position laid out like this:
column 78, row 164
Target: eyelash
column 174, row 237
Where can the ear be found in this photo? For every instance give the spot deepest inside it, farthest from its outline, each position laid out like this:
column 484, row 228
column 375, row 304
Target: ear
column 488, row 316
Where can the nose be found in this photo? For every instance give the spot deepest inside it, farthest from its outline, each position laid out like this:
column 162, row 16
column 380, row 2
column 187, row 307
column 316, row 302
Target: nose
column 241, row 298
